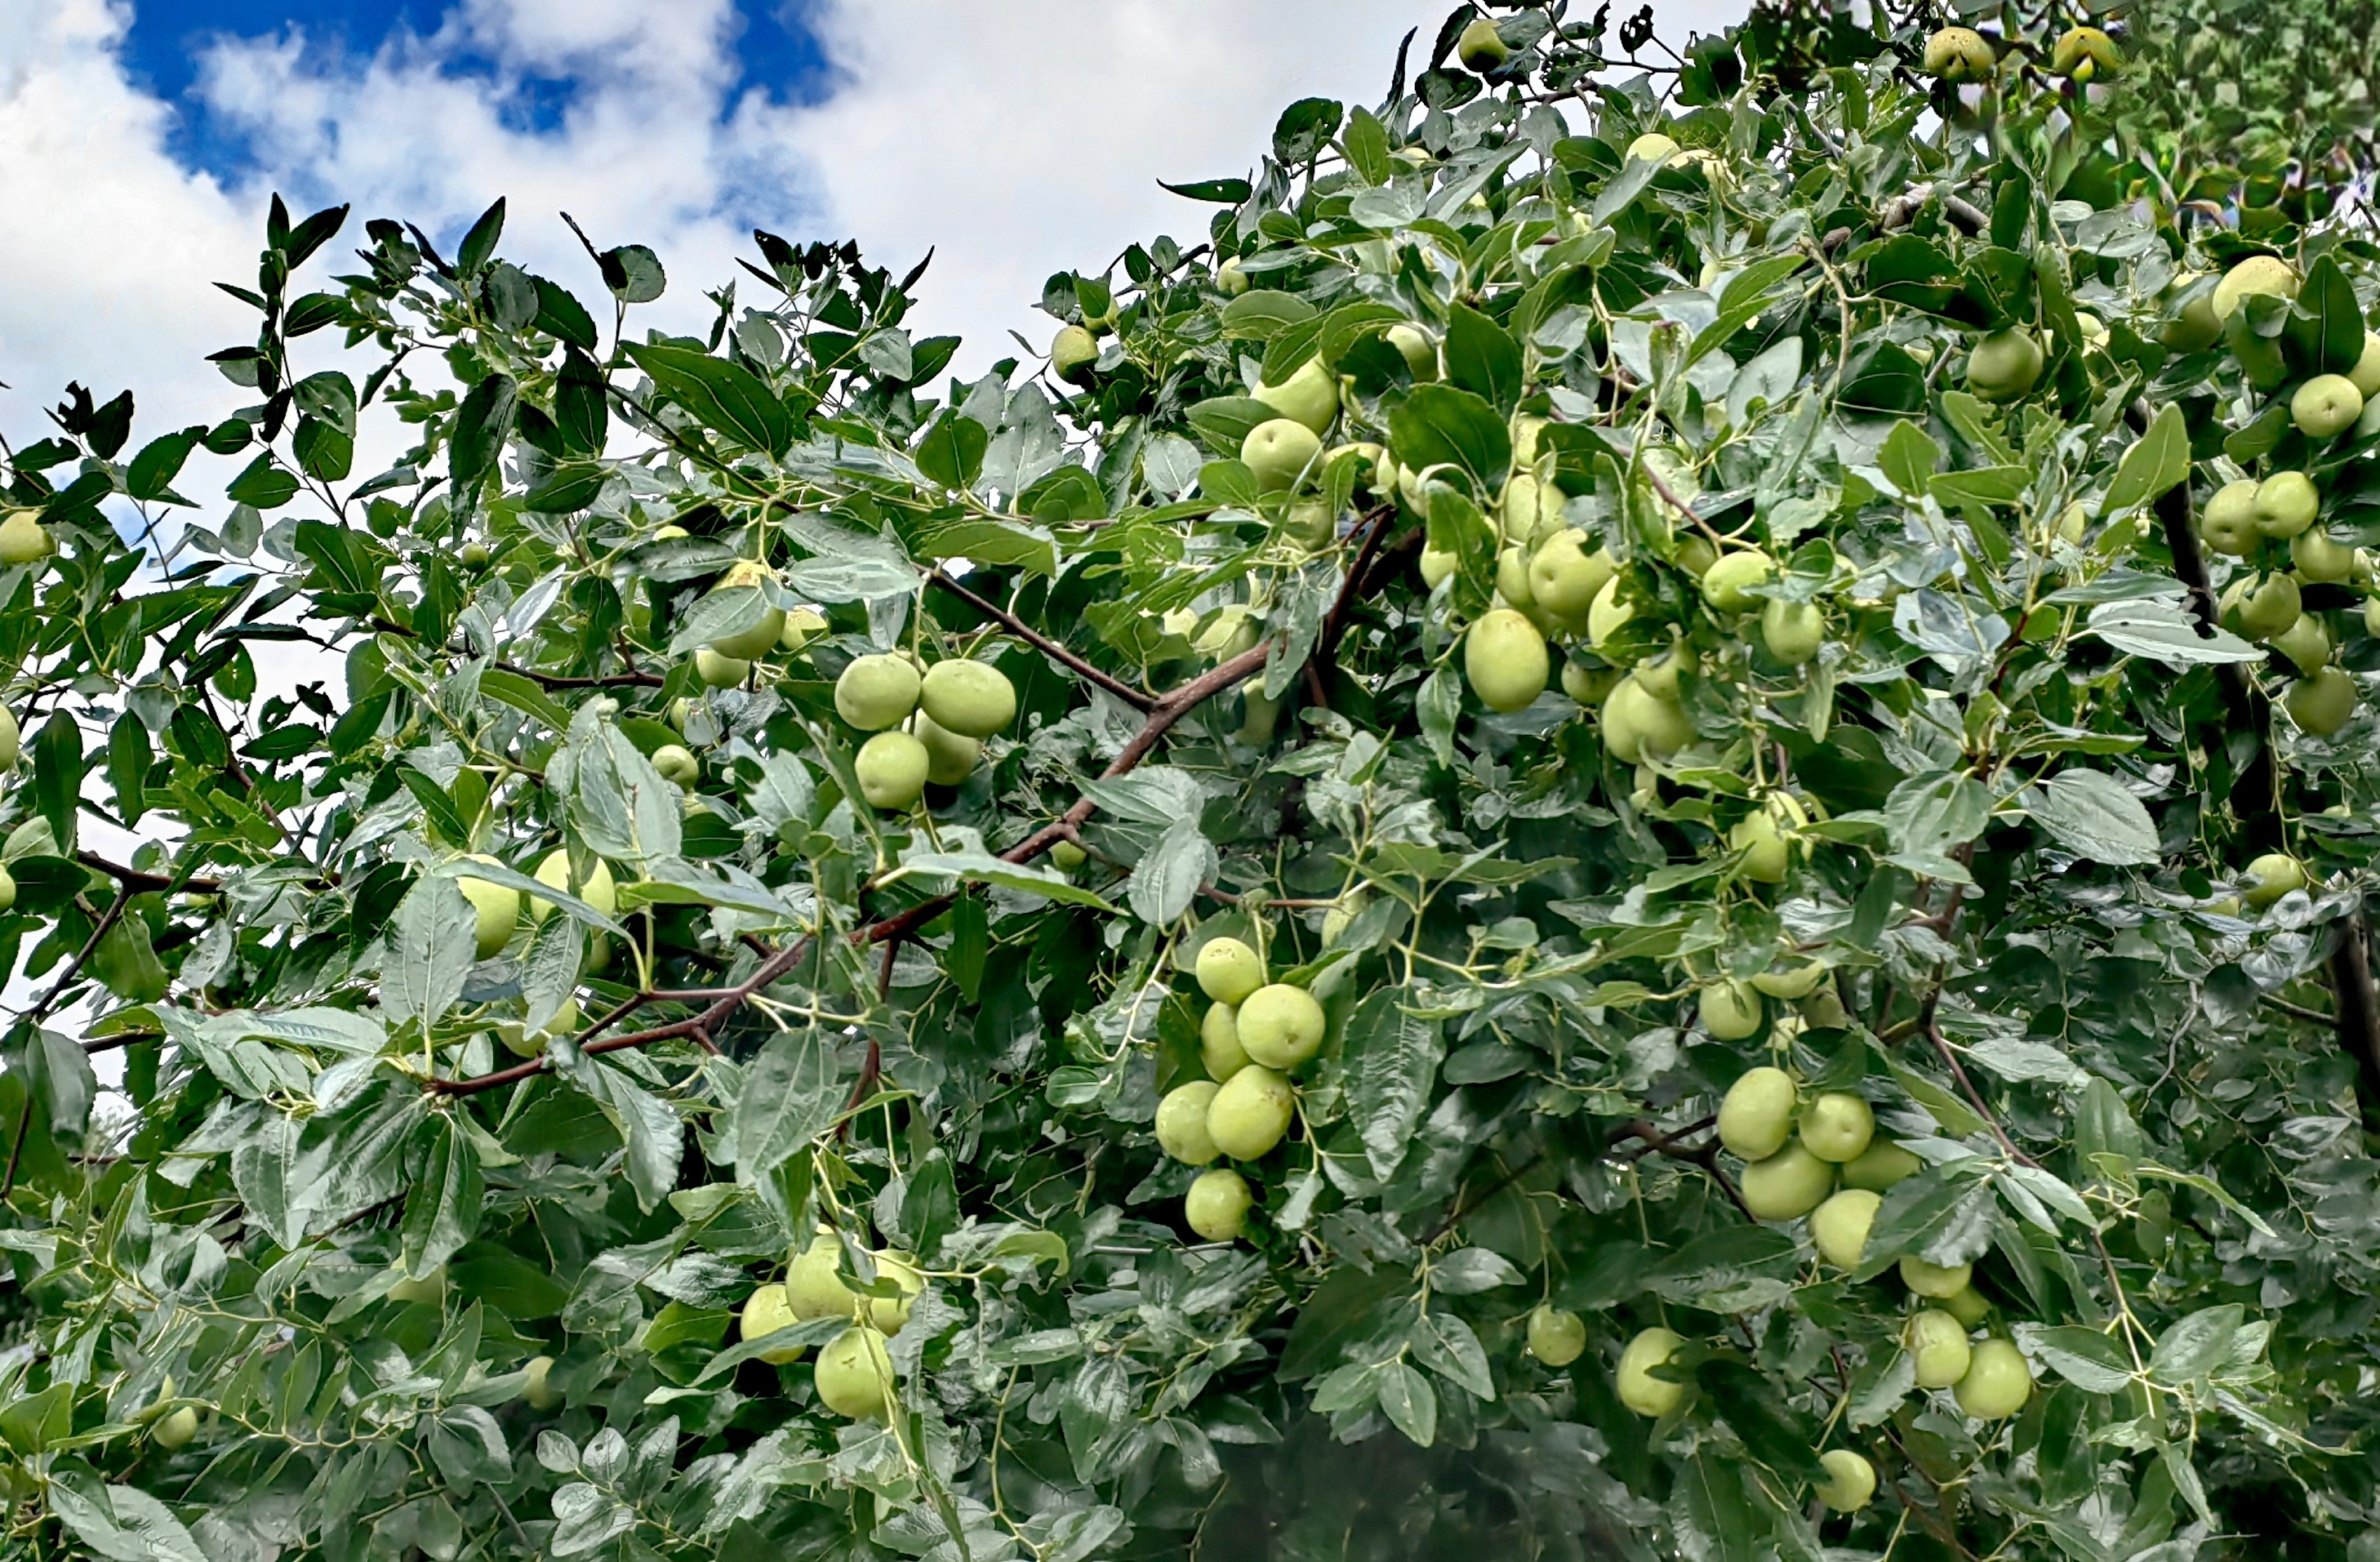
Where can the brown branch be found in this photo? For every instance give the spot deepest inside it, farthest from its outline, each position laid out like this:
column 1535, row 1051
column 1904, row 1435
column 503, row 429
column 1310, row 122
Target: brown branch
column 15, row 1149
column 1326, row 646
column 630, row 679
column 74, row 967
column 133, row 880
column 121, row 1039
column 1042, row 643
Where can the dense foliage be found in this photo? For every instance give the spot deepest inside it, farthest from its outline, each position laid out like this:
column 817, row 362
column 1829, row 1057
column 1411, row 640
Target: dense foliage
column 1654, row 647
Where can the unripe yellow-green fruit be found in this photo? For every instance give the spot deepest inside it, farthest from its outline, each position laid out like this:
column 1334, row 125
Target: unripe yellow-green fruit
column 599, row 890
column 1250, row 1113
column 1792, row 631
column 23, row 539
column 1728, row 581
column 1281, row 1026
column 891, row 769
column 1755, row 1116
column 1936, row 1344
column 2325, row 406
column 1436, row 566
column 1766, row 854
column 1881, row 1165
column 523, row 1042
column 1311, row 522
column 1481, row 47
column 1838, row 1227
column 1217, row 1205
column 765, row 1311
column 7, row 890
column 2265, row 608
column 1793, row 983
column 12, row 739
column 430, row 1288
column 2321, row 557
column 855, row 1373
column 1218, row 1043
column 1066, row 856
column 2271, row 877
column 1837, row 1126
column 2193, row 327
column 1513, row 589
column 2365, row 375
column 802, row 626
column 949, row 757
column 1228, row 970
column 2321, row 703
column 761, row 638
column 1998, row 1382
column 1958, row 53
column 1658, row 675
column 1850, row 1484
column 1610, row 611
column 1259, row 715
column 1073, row 352
column 2371, row 615
column 1639, row 1389
column 2228, row 521
column 1787, row 1185
column 1557, row 1336
column 879, row 691
column 2073, row 524
column 972, row 699
column 1969, row 1306
column 175, row 1428
column 670, row 533
column 1526, row 429
column 2286, row 504
column 1729, row 1009
column 675, row 762
column 2082, row 53
column 1653, row 146
column 814, row 1284
column 2267, row 274
column 1419, row 352
column 2306, row 643
column 719, row 672
column 1280, row 451
column 497, row 906
column 2005, row 365
column 889, row 1315
column 538, row 1388
column 1563, row 578
column 1310, row 395
column 1505, row 660
column 1934, row 1280
column 1182, row 1123
column 1638, row 726
column 1229, row 279
column 1588, row 684
column 1342, row 916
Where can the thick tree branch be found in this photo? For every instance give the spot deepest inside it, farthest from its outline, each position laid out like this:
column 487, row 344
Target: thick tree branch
column 133, row 880
column 1042, row 643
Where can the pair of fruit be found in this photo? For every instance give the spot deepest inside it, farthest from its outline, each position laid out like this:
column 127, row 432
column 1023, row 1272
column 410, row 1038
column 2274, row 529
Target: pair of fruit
column 956, row 704
column 2242, row 513
column 1991, row 1378
column 1768, row 838
column 814, row 1288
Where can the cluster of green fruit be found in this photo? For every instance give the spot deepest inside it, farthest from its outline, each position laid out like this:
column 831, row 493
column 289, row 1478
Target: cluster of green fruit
column 1961, row 55
column 726, row 662
column 1255, row 1034
column 854, row 1372
column 497, row 911
column 929, row 725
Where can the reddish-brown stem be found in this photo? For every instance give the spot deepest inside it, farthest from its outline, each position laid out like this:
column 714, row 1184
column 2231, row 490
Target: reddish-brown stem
column 74, row 967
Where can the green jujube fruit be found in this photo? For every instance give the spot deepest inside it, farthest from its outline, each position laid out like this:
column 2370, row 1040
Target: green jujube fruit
column 853, row 1375
column 1217, row 1203
column 1505, row 660
column 1755, row 1116
column 1182, row 1123
column 892, row 769
column 1787, row 1185
column 1281, row 1026
column 1228, row 970
column 1251, row 1113
column 971, row 699
column 877, row 691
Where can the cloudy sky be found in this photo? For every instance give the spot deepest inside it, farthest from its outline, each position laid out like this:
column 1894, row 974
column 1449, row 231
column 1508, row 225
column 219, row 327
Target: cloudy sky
column 139, row 141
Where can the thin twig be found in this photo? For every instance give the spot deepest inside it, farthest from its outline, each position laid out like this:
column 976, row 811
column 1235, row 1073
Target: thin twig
column 1138, row 699
column 134, row 879
column 107, row 920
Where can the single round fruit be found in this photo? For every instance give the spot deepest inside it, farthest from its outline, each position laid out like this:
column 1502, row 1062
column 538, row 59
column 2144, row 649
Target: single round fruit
column 12, row 739
column 1228, row 970
column 891, row 769
column 523, row 1042
column 1729, row 1009
column 951, row 758
column 1881, row 1165
column 765, row 1311
column 2365, row 375
column 1850, row 1484
column 1281, row 1026
column 599, row 891
column 1340, row 916
column 2005, row 365
column 497, row 906
column 2193, row 327
column 1787, row 1185
column 474, row 554
column 1998, row 1382
column 2325, row 406
column 972, row 699
column 23, row 539
column 1418, row 351
column 175, row 1428
column 538, row 1389
column 430, row 1288
column 889, row 1315
column 719, row 672
column 1481, row 47
column 1563, row 578
column 2228, row 521
column 1557, row 1336
column 1936, row 1344
column 2082, row 53
column 1726, row 583
column 1505, row 658
column 1280, row 451
column 1638, row 726
column 1587, row 683
column 1793, row 983
column 1218, row 1043
column 2321, row 557
column 1934, row 1280
column 1073, row 353
column 1755, row 1116
column 1182, row 1123
column 1217, row 1205
column 1767, row 852
column 2286, row 504
column 7, row 890
column 675, row 762
column 877, row 691
column 1639, row 1389
column 1606, row 615
column 802, row 626
column 2321, row 703
column 1837, row 1126
column 1310, row 396
column 1312, row 523
column 2267, row 607
column 855, row 1373
column 1230, row 280
column 1653, row 146
column 1792, row 631
column 1437, row 566
column 1838, row 1227
column 749, row 575
column 1658, row 675
column 1958, row 53
column 2273, row 876
column 1969, row 1306
column 2267, row 274
column 1250, row 1113
column 2306, row 643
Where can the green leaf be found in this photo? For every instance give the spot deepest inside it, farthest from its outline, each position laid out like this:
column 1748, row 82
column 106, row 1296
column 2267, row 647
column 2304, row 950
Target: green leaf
column 262, row 485
column 562, row 317
column 1409, row 1402
column 951, row 451
column 1171, row 873
column 2167, row 634
column 2093, row 816
column 431, row 946
column 479, row 244
column 1390, row 1063
column 480, row 427
column 1482, row 357
column 793, row 1093
column 1263, row 313
column 981, row 868
column 2156, row 461
column 152, row 474
column 57, row 774
column 1441, row 424
column 725, row 397
column 1365, row 144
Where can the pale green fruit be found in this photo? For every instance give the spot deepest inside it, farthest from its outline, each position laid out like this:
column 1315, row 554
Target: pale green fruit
column 1638, row 726
column 12, row 739
column 748, row 574
column 1182, row 1123
column 1526, row 505
column 1969, row 1306
column 1658, row 675
column 1565, row 578
column 1838, row 1227
column 1639, row 1389
column 1420, row 353
column 1766, row 854
column 2228, row 521
column 1505, row 660
column 1587, row 683
column 1512, row 587
column 1729, row 1009
column 1794, row 983
column 1934, row 1280
column 2083, row 53
column 23, row 539
column 877, row 691
column 1653, row 146
column 1073, row 352
column 2073, row 524
column 1998, row 1382
column 1229, row 279
column 890, row 1315
column 1695, row 555
column 1837, row 1126
column 1881, row 1165
column 1728, row 581
column 1312, row 523
column 2004, row 365
column 1259, row 715
column 1437, row 565
column 1936, row 1344
column 1557, row 1336
column 802, row 626
column 2305, row 643
column 765, row 1311
column 497, row 906
column 1609, row 614
column 1310, row 395
column 1217, row 1205
column 175, row 1428
column 1787, row 1185
column 2193, row 327
column 1219, row 1042
column 1250, row 1113
column 675, row 762
column 2267, row 274
column 855, row 1373
column 1228, row 970
column 1755, row 1116
column 430, row 1288
column 1066, row 856
column 2271, row 877
column 1281, row 1026
column 719, row 672
column 1280, row 451
column 2325, row 406
column 2265, row 608
column 2372, row 616
column 1958, row 53
column 1850, row 1484
column 670, row 533
column 523, row 1042
column 2320, row 557
column 2286, row 504
column 1792, row 631
column 2321, row 703
column 2365, row 375
column 7, row 888
column 972, row 699
column 891, row 769
column 538, row 1389
column 949, row 759
column 599, row 891
column 1481, row 47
